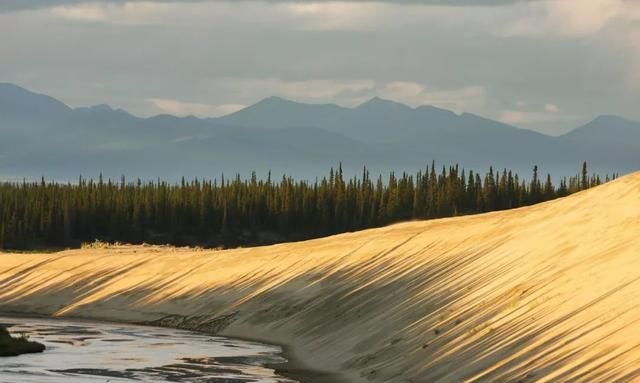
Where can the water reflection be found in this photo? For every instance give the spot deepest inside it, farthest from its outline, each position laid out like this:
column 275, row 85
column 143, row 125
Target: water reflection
column 79, row 351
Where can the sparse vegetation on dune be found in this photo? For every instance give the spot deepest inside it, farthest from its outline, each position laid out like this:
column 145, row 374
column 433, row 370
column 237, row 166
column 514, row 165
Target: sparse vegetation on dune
column 102, row 245
column 14, row 346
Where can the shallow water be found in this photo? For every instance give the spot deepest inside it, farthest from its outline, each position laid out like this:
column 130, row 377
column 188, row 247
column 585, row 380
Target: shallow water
column 83, row 351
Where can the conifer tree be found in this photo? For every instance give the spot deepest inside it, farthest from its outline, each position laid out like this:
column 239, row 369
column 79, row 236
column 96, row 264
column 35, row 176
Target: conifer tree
column 237, row 211
column 584, row 179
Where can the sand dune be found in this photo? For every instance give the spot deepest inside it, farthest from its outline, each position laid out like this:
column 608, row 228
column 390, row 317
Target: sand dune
column 549, row 293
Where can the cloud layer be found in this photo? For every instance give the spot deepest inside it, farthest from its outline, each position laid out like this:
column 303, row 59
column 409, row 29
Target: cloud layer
column 546, row 65
column 16, row 5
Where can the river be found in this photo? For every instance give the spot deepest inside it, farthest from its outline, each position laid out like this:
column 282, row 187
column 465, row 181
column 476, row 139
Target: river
column 87, row 351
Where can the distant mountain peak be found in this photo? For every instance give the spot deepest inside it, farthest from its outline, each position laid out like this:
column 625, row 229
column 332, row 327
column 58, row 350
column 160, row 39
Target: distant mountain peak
column 607, row 129
column 608, row 121
column 275, row 100
column 435, row 109
column 374, row 99
column 610, row 118
column 10, row 86
column 20, row 101
column 378, row 102
column 102, row 107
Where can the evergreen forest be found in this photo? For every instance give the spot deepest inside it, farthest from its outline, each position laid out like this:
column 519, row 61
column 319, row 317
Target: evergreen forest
column 243, row 212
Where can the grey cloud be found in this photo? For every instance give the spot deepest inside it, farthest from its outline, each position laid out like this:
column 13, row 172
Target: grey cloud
column 455, row 3
column 240, row 63
column 20, row 5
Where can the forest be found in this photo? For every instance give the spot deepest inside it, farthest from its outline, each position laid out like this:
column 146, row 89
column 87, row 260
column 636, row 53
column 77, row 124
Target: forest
column 243, row 212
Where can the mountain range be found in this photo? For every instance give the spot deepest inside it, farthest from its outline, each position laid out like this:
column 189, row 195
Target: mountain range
column 41, row 136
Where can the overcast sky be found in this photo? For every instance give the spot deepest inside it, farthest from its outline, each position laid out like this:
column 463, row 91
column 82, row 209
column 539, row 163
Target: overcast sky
column 544, row 65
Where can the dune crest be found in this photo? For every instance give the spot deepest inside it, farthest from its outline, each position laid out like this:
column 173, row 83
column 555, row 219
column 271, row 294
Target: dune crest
column 548, row 293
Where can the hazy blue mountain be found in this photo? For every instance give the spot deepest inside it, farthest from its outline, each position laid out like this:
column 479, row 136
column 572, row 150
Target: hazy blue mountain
column 607, row 130
column 276, row 112
column 608, row 141
column 376, row 121
column 19, row 103
column 41, row 136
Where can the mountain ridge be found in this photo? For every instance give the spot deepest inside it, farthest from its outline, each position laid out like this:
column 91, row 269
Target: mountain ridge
column 376, row 100
column 40, row 135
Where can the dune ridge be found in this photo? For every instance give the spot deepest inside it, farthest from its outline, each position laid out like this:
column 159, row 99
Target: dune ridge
column 547, row 293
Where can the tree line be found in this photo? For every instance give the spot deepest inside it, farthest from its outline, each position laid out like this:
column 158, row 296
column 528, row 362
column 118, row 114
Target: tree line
column 232, row 212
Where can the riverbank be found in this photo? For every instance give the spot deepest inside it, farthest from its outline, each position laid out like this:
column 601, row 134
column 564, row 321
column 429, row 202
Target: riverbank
column 539, row 293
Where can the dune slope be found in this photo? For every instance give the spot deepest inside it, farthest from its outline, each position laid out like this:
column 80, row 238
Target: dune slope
column 548, row 293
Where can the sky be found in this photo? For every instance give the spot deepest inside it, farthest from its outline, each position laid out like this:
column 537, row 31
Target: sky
column 547, row 65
